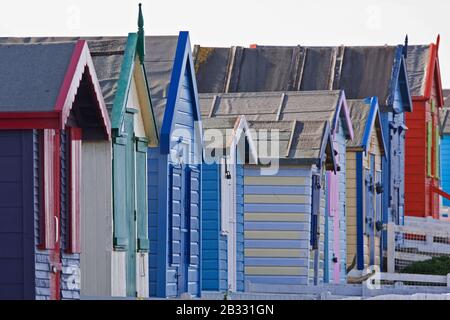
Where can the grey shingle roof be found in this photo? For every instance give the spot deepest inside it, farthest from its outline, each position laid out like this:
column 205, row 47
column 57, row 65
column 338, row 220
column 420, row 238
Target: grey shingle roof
column 359, row 113
column 364, row 72
column 159, row 59
column 296, row 139
column 107, row 55
column 224, row 125
column 417, row 64
column 31, row 75
column 272, row 106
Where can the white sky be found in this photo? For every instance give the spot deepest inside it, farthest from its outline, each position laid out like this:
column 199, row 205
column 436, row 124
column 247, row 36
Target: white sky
column 241, row 22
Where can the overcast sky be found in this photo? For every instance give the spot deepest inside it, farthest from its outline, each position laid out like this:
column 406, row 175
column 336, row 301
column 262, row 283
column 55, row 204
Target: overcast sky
column 241, row 22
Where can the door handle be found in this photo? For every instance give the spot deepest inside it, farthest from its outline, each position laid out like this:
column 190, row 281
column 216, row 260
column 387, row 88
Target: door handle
column 56, row 229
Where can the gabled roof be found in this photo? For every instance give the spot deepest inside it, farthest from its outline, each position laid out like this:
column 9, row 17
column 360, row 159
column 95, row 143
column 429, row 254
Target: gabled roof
column 40, row 83
column 114, row 59
column 304, row 142
column 280, row 106
column 424, row 69
column 360, row 71
column 365, row 117
column 167, row 59
column 231, row 130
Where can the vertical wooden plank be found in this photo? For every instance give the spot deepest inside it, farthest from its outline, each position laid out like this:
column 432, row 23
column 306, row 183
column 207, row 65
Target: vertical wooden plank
column 391, row 247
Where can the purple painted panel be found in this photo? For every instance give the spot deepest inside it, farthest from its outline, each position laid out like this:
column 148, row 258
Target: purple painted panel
column 16, row 215
column 333, row 205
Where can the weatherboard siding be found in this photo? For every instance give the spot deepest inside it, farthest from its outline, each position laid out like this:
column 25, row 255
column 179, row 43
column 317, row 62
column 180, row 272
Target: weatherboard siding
column 41, row 257
column 351, row 179
column 213, row 243
column 240, row 262
column 70, row 273
column 166, row 189
column 96, row 220
column 154, row 194
column 277, row 234
column 340, row 145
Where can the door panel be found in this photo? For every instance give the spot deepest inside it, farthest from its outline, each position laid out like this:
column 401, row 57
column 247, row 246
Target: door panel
column 183, row 269
column 130, row 205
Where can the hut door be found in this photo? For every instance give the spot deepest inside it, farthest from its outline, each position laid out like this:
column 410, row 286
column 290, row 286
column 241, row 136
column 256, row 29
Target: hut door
column 370, row 208
column 228, row 216
column 130, row 205
column 333, row 189
column 183, row 269
column 50, row 206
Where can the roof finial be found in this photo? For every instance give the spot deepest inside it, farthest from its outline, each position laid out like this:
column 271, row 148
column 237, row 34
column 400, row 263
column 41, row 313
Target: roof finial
column 141, row 35
column 405, row 47
column 438, row 41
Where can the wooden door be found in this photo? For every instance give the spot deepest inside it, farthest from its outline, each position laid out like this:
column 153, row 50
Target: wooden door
column 130, row 190
column 183, row 268
column 333, row 205
column 370, row 208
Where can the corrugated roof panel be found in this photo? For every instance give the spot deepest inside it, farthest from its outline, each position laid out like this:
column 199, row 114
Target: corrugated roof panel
column 417, row 65
column 359, row 113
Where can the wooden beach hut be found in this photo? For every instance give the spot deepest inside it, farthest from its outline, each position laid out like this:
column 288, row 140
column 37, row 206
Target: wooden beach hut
column 228, row 145
column 329, row 106
column 422, row 169
column 51, row 105
column 174, row 169
column 365, row 155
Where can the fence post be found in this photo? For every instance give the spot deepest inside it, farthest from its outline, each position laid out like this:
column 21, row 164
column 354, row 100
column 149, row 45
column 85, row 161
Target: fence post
column 391, row 247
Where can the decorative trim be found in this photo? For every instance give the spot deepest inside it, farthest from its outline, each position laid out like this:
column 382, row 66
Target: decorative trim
column 359, row 212
column 183, row 60
column 123, row 86
column 81, row 59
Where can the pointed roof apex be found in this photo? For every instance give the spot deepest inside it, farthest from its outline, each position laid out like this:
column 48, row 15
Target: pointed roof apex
column 140, row 18
column 438, row 41
column 405, row 47
column 141, row 35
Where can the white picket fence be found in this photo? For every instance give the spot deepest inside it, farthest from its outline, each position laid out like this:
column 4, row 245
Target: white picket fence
column 419, row 239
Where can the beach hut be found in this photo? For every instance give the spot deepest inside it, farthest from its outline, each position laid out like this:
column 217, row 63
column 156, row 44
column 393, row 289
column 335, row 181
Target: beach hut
column 285, row 209
column 227, row 146
column 328, row 106
column 51, row 104
column 114, row 231
column 361, row 71
column 174, row 169
column 365, row 155
column 422, row 176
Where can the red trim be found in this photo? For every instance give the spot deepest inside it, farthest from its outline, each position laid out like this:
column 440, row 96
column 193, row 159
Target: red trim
column 70, row 74
column 439, row 82
column 29, row 120
column 80, row 62
column 440, row 192
column 253, row 46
